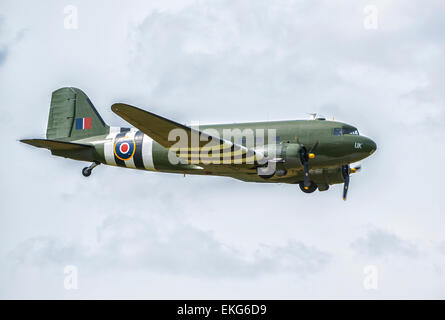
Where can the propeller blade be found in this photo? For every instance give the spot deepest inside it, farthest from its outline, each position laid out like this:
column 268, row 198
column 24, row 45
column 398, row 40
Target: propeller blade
column 306, row 173
column 313, row 147
column 345, row 187
column 346, row 170
column 304, row 158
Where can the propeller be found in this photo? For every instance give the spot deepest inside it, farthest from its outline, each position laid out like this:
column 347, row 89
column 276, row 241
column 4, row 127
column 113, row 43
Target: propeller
column 304, row 158
column 346, row 170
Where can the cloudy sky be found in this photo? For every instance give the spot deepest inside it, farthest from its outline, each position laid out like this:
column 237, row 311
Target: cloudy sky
column 134, row 234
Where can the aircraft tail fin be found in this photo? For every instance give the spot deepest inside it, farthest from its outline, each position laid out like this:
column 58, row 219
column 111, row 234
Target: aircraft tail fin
column 72, row 116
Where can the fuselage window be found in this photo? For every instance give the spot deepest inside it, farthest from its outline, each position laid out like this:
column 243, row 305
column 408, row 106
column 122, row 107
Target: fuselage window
column 337, row 132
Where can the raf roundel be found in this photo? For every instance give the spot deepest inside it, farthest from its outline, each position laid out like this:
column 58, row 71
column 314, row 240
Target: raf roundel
column 124, row 148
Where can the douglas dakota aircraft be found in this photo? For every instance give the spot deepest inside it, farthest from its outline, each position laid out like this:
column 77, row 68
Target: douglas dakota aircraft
column 312, row 153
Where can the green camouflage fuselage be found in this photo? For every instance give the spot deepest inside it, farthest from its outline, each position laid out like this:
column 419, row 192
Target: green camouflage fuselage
column 332, row 151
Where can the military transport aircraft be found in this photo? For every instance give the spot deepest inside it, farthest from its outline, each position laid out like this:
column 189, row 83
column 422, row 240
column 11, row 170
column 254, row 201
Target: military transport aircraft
column 312, row 153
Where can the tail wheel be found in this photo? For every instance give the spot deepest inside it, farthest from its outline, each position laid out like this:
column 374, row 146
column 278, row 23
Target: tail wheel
column 311, row 188
column 86, row 172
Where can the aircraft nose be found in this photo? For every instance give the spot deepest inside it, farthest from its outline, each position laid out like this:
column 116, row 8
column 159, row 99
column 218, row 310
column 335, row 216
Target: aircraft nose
column 369, row 146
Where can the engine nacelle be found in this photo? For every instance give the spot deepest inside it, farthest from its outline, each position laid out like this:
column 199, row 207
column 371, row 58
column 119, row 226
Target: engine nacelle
column 325, row 177
column 290, row 153
column 285, row 157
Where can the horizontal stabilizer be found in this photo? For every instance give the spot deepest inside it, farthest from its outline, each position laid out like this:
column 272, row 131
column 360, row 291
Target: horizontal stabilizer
column 55, row 145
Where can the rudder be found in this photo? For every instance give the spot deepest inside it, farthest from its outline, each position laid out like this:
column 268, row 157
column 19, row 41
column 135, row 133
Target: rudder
column 72, row 116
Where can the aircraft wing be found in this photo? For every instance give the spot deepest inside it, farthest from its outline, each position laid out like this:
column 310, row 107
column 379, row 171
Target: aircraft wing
column 159, row 129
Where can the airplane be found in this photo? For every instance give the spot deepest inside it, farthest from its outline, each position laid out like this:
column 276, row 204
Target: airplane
column 313, row 153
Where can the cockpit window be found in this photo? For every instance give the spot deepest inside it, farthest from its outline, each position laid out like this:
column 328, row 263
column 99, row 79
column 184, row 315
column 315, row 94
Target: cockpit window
column 342, row 131
column 350, row 131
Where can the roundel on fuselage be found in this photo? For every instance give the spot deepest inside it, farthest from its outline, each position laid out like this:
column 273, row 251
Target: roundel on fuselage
column 124, row 148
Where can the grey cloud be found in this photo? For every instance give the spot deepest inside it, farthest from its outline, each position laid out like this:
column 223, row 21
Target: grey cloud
column 294, row 257
column 225, row 53
column 8, row 38
column 3, row 48
column 381, row 243
column 3, row 54
column 41, row 251
column 217, row 55
column 173, row 248
column 441, row 247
